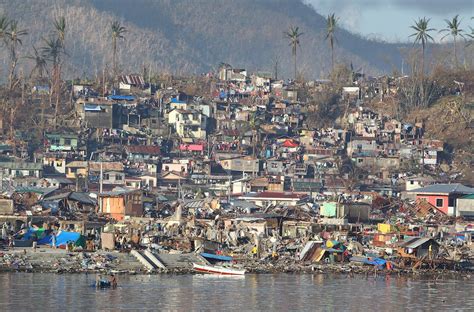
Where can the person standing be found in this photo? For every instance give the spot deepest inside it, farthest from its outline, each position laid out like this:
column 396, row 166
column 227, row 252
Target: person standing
column 53, row 240
column 35, row 242
column 113, row 281
column 4, row 231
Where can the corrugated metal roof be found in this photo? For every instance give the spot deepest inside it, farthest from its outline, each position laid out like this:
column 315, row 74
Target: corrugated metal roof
column 445, row 189
column 416, row 242
column 143, row 149
column 21, row 165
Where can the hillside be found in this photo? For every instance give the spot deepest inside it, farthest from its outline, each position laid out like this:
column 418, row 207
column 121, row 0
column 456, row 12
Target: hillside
column 188, row 36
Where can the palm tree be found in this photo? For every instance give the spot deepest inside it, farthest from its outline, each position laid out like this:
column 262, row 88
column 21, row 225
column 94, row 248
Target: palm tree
column 331, row 24
column 51, row 51
column 4, row 23
column 40, row 61
column 13, row 39
column 294, row 34
column 118, row 32
column 471, row 35
column 60, row 28
column 422, row 36
column 453, row 29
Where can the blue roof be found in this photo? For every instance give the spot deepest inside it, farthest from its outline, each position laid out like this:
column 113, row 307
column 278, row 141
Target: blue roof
column 92, row 107
column 175, row 100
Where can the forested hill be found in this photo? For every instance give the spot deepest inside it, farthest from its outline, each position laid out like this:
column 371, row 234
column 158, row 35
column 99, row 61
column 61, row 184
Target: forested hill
column 193, row 36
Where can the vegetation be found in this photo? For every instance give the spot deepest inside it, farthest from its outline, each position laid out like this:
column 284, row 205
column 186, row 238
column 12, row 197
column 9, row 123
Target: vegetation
column 331, row 24
column 165, row 42
column 453, row 29
column 293, row 35
column 422, row 36
column 117, row 33
column 13, row 38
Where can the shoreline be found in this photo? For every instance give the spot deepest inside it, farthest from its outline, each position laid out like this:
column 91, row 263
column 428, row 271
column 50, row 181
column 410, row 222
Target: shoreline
column 122, row 263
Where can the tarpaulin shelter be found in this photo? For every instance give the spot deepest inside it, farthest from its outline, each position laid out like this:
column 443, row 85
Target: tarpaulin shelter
column 45, row 237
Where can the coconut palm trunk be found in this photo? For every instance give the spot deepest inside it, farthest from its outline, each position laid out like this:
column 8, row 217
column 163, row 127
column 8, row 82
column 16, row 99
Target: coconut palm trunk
column 295, row 67
column 114, row 58
column 453, row 28
column 294, row 34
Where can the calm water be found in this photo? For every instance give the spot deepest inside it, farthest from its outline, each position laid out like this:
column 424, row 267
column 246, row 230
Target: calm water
column 282, row 292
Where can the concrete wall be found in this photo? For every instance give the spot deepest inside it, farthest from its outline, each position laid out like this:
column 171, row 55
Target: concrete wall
column 465, row 207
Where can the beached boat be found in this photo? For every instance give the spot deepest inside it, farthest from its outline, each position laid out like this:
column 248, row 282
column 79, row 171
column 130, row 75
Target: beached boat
column 214, row 257
column 211, row 269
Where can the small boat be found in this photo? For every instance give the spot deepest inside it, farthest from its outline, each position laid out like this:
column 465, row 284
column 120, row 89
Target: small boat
column 214, row 257
column 102, row 284
column 210, row 269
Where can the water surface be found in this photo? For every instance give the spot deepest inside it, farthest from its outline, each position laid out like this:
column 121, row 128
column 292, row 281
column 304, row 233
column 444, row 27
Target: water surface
column 277, row 292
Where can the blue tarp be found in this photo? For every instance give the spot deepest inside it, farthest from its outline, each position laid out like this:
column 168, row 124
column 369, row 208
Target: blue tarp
column 379, row 262
column 121, row 97
column 62, row 238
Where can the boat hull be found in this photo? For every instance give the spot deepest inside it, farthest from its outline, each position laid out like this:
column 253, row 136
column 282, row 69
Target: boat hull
column 207, row 269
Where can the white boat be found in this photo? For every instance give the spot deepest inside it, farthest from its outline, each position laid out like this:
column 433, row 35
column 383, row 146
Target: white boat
column 218, row 270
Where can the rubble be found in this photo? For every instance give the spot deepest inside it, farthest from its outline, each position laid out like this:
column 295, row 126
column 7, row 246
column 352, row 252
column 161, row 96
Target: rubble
column 153, row 178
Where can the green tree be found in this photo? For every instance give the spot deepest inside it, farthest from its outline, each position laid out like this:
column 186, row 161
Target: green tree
column 118, row 32
column 422, row 36
column 453, row 28
column 13, row 40
column 294, row 34
column 331, row 25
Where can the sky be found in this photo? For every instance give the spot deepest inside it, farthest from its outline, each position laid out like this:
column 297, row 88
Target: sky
column 390, row 20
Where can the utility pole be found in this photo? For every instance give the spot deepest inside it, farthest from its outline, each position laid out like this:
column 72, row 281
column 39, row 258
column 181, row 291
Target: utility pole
column 101, row 180
column 229, row 189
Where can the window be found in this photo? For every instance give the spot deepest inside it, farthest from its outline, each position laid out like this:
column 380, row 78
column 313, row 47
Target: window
column 67, row 141
column 451, row 202
column 118, row 177
column 439, row 202
column 412, row 182
column 106, row 176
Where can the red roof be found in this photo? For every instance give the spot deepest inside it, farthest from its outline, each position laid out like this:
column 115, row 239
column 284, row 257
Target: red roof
column 290, row 143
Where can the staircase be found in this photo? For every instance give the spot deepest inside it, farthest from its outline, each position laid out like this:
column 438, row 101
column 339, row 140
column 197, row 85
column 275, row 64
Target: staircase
column 144, row 260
